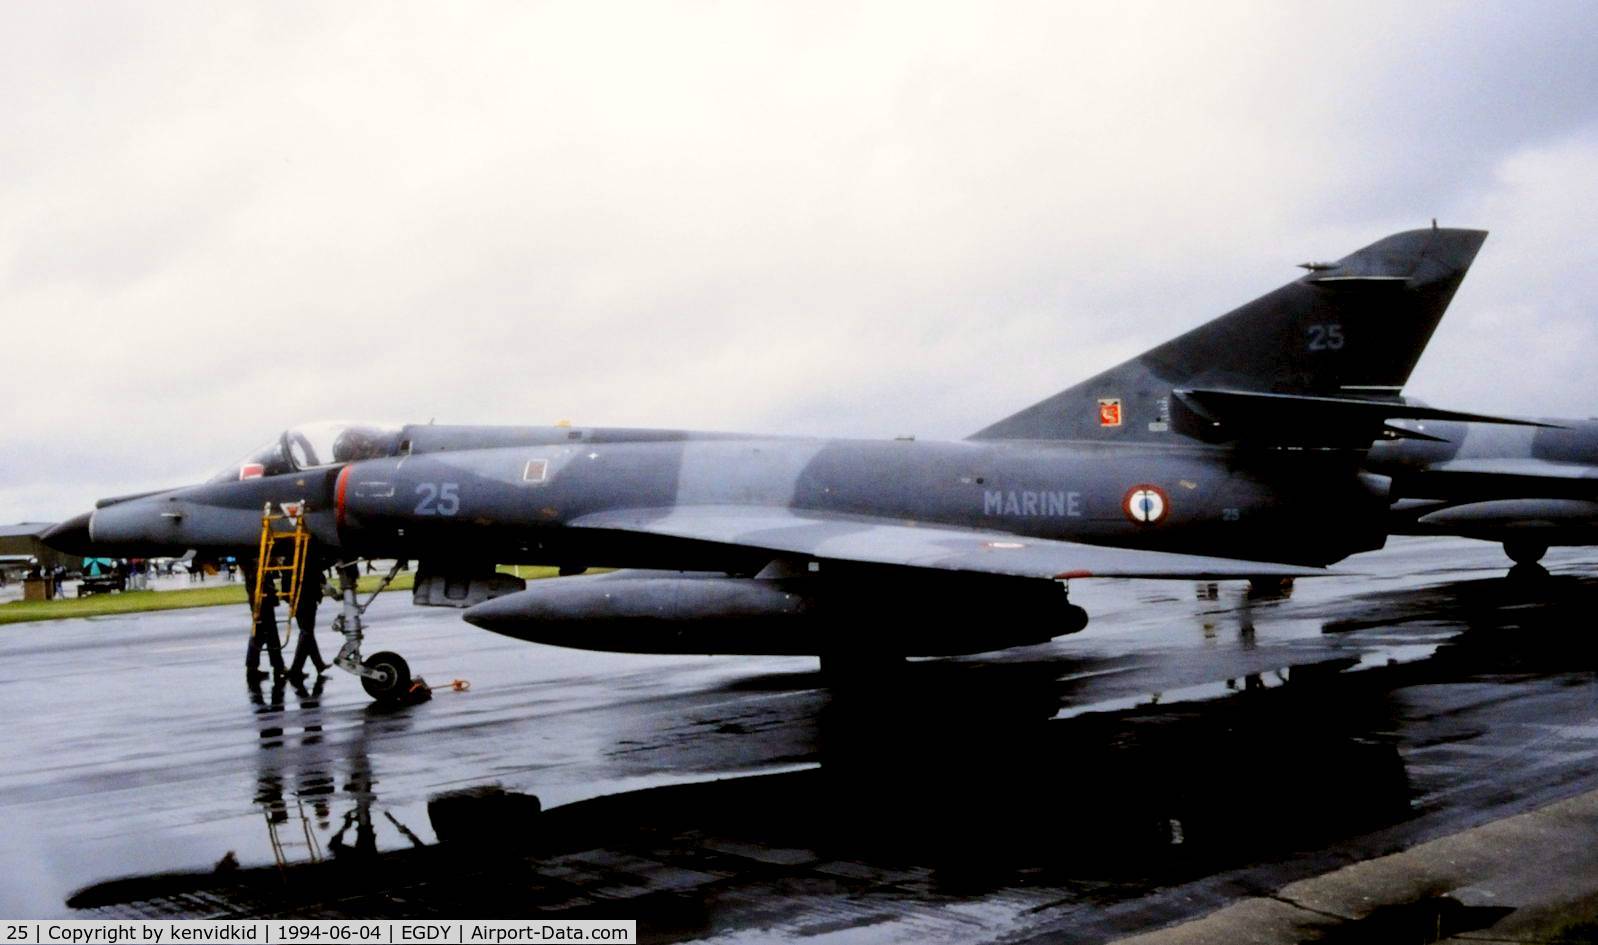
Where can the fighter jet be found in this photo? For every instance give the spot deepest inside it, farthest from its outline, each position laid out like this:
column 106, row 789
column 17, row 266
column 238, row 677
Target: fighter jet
column 1527, row 486
column 1236, row 450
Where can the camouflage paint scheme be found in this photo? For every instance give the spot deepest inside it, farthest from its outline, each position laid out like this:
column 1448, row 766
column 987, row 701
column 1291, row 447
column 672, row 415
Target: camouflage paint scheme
column 1235, row 450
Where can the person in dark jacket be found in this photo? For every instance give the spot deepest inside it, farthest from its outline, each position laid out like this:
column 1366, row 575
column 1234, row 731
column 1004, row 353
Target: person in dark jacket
column 264, row 634
column 305, row 616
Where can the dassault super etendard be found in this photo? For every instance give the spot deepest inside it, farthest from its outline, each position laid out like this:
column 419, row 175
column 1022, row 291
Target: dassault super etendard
column 1232, row 451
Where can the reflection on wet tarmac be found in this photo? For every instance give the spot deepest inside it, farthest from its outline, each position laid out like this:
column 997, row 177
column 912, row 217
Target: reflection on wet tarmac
column 1184, row 750
column 288, row 824
column 294, row 770
column 968, row 795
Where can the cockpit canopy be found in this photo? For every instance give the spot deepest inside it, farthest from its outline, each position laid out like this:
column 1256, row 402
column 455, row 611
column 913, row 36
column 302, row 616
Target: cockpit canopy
column 315, row 444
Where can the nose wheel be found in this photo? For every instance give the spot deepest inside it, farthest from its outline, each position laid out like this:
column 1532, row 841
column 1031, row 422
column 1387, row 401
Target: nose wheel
column 387, row 677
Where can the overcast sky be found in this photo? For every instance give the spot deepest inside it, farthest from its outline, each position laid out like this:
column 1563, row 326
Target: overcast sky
column 221, row 219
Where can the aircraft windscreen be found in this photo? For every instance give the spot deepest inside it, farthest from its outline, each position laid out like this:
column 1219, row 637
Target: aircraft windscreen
column 315, row 444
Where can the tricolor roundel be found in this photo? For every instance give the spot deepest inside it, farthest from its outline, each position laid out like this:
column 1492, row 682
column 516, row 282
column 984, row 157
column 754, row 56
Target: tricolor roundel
column 1146, row 504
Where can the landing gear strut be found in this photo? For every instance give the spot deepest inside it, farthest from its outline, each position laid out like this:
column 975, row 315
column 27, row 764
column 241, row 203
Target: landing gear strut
column 384, row 676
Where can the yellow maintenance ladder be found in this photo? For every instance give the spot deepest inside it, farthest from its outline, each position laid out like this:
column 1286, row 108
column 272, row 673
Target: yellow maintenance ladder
column 295, row 557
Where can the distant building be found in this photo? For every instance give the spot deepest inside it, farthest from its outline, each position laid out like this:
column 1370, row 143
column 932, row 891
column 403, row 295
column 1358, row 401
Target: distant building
column 18, row 543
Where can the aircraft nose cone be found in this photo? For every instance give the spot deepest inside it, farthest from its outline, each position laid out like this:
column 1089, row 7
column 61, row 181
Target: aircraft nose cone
column 71, row 536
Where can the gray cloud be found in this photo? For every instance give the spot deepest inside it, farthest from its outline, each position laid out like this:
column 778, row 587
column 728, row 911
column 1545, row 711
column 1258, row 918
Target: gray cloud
column 861, row 220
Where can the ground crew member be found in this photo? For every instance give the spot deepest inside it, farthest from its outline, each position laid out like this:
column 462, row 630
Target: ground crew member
column 305, row 616
column 265, row 631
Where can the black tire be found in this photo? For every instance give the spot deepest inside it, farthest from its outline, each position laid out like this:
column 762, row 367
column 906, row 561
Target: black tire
column 396, row 681
column 1525, row 552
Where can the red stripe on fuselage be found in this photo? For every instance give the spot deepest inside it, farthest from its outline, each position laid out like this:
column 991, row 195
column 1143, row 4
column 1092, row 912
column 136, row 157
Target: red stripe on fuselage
column 343, row 484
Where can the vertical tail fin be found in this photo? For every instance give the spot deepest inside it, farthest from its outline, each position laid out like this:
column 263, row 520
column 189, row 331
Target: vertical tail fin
column 1352, row 328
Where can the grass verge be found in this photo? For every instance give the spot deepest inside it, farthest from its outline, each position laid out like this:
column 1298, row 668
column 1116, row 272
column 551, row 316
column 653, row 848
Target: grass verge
column 132, row 602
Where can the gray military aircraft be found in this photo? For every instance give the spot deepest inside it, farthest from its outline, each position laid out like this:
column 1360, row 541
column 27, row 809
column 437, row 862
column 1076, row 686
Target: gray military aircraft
column 1526, row 486
column 1236, row 450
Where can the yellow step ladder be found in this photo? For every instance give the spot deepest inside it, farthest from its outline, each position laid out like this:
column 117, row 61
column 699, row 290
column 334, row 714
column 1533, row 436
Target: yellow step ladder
column 295, row 557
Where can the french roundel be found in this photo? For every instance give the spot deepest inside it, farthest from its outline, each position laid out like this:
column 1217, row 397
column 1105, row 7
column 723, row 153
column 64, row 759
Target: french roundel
column 1146, row 504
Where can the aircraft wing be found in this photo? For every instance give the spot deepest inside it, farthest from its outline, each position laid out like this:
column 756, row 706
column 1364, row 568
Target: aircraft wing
column 1310, row 420
column 1516, row 514
column 1507, row 477
column 902, row 543
column 1523, row 468
column 1501, row 497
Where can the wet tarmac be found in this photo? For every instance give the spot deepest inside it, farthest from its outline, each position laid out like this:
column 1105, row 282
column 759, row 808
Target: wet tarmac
column 1194, row 745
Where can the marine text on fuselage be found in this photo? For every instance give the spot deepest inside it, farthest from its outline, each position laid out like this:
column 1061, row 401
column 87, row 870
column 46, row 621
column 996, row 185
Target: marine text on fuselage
column 1028, row 503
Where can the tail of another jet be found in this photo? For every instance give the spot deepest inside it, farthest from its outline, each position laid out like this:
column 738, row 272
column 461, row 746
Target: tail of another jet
column 1341, row 339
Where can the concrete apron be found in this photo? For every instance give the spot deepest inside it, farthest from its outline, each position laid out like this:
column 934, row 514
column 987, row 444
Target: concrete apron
column 1526, row 878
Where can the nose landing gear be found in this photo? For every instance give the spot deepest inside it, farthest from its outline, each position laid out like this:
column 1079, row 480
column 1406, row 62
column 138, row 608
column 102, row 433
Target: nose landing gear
column 385, row 676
